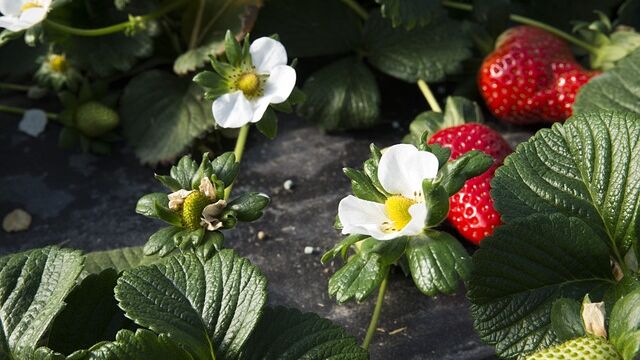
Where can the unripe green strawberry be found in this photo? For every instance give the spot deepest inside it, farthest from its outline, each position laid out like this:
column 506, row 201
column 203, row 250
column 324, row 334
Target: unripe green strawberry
column 94, row 119
column 582, row 348
column 192, row 209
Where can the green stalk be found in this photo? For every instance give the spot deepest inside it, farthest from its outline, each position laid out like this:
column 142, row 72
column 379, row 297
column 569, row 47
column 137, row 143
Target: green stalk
column 373, row 325
column 241, row 141
column 193, row 42
column 528, row 21
column 21, row 111
column 165, row 8
column 428, row 95
column 16, row 87
column 213, row 20
column 357, row 8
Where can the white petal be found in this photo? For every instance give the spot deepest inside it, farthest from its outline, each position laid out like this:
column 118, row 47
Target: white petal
column 207, row 188
column 267, row 53
column 33, row 122
column 363, row 217
column 280, row 84
column 12, row 23
column 259, row 105
column 418, row 214
column 33, row 16
column 177, row 198
column 11, row 7
column 403, row 167
column 232, row 110
column 211, row 211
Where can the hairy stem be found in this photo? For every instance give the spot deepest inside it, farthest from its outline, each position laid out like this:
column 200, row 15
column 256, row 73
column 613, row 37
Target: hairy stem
column 16, row 87
column 116, row 28
column 428, row 95
column 528, row 21
column 193, row 42
column 373, row 325
column 241, row 141
column 21, row 111
column 357, row 8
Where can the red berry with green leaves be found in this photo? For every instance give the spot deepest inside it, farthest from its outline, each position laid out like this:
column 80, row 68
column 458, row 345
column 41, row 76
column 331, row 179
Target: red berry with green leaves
column 531, row 77
column 471, row 209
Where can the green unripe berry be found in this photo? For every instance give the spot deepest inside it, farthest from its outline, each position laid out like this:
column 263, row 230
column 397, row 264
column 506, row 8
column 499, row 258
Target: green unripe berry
column 192, row 208
column 582, row 348
column 94, row 119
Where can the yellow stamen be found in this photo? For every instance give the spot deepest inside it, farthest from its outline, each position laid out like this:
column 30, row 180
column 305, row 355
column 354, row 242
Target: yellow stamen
column 249, row 83
column 58, row 63
column 397, row 209
column 29, row 5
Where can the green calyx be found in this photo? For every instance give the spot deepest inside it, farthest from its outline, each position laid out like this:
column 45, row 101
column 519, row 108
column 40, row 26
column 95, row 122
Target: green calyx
column 192, row 208
column 94, row 119
column 582, row 348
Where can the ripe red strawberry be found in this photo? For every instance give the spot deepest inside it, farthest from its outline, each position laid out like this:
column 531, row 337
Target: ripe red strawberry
column 531, row 77
column 471, row 209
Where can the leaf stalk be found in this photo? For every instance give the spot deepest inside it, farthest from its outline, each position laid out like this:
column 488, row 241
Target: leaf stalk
column 373, row 325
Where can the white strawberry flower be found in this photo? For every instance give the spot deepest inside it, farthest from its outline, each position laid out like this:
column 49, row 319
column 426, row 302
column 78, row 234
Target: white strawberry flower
column 401, row 170
column 270, row 81
column 18, row 15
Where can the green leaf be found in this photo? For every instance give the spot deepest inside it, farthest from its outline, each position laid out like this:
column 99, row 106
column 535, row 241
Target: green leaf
column 102, row 55
column 436, row 199
column 119, row 259
column 90, row 316
column 268, row 125
column 362, row 186
column 169, row 182
column 428, row 121
column 586, row 168
column 218, row 17
column 624, row 326
column 364, row 271
column 437, row 262
column 311, row 27
column 342, row 247
column 411, row 13
column 147, row 205
column 225, row 167
column 566, row 320
column 288, row 334
column 357, row 279
column 522, row 269
column 455, row 173
column 616, row 89
column 249, row 206
column 161, row 242
column 429, row 53
column 162, row 114
column 459, row 110
column 213, row 84
column 183, row 172
column 141, row 345
column 206, row 306
column 342, row 96
column 33, row 286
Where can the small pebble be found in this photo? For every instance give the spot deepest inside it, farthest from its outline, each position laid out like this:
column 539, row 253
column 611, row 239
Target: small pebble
column 308, row 250
column 17, row 220
column 288, row 184
column 261, row 235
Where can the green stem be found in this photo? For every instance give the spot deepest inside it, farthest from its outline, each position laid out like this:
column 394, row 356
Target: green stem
column 21, row 111
column 16, row 87
column 193, row 42
column 213, row 20
column 165, row 8
column 428, row 95
column 241, row 141
column 357, row 8
column 528, row 21
column 373, row 325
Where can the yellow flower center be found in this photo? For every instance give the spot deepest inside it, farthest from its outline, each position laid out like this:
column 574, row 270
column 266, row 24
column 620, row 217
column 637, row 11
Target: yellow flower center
column 29, row 5
column 397, row 209
column 58, row 63
column 249, row 83
column 192, row 208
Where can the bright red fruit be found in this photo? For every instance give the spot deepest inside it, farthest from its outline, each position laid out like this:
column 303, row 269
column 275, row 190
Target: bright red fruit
column 471, row 209
column 531, row 77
